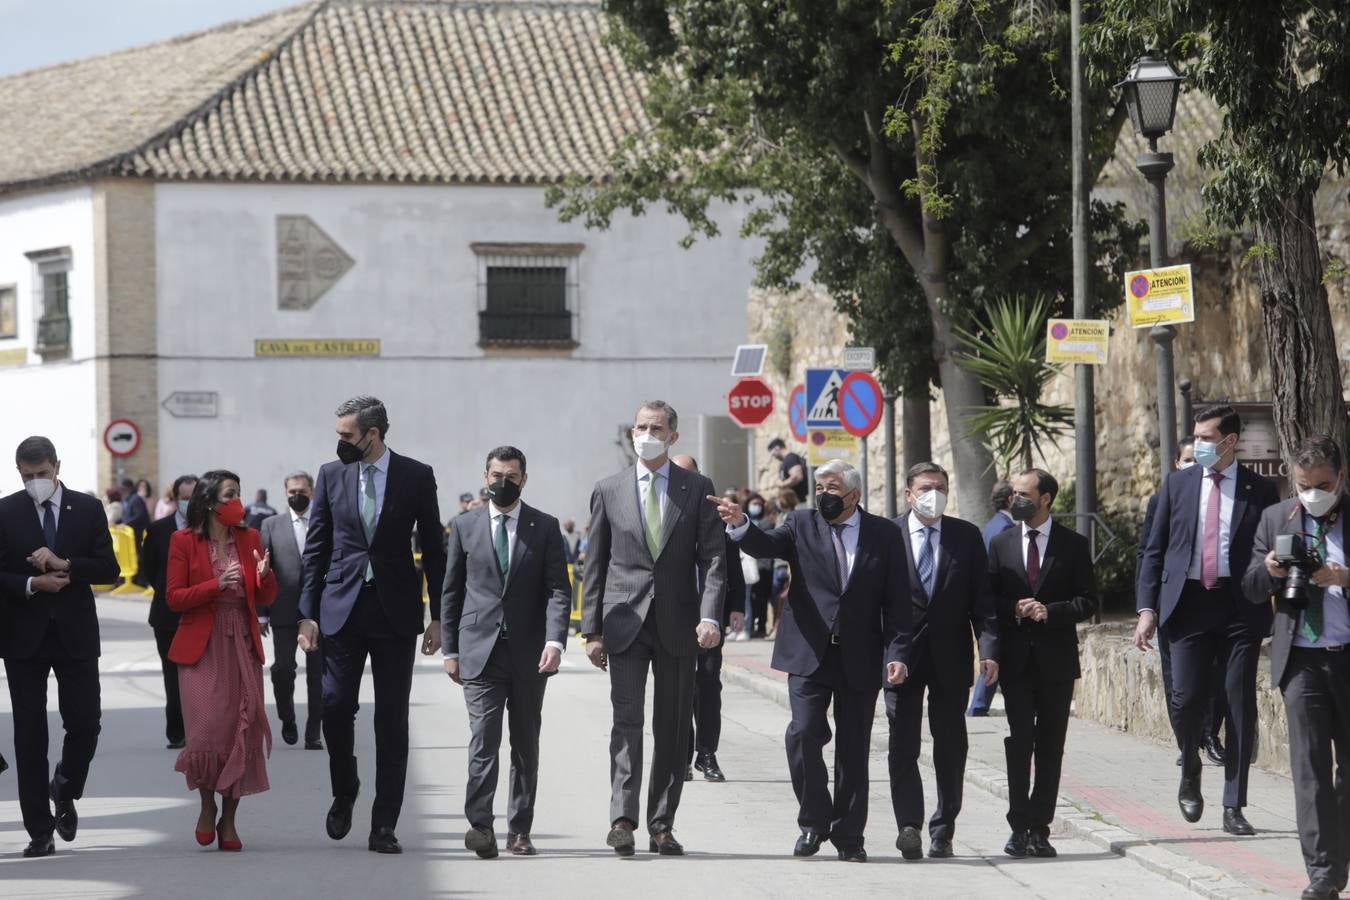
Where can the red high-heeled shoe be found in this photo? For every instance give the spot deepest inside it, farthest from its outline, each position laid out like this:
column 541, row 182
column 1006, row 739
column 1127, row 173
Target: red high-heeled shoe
column 234, row 846
column 204, row 838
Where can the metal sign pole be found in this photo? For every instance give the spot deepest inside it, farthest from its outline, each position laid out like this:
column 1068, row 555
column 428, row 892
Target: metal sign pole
column 863, row 472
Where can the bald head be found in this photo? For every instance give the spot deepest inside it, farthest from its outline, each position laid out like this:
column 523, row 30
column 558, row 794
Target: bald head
column 685, row 461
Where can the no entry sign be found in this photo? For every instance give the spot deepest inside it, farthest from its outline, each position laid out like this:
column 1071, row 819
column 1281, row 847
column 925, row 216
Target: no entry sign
column 750, row 402
column 860, row 404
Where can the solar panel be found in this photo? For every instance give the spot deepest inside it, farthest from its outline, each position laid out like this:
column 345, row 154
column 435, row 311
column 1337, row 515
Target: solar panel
column 749, row 360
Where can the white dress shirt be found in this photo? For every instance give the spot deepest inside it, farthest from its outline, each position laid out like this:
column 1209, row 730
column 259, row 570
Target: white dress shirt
column 300, row 527
column 1227, row 491
column 1042, row 542
column 380, row 470
column 916, row 539
column 55, row 500
column 1335, row 614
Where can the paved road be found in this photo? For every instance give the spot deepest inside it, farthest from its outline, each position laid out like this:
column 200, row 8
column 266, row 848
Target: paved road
column 137, row 817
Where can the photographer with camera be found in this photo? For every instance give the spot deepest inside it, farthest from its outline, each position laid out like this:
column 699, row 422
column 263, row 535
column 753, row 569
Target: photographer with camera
column 1298, row 562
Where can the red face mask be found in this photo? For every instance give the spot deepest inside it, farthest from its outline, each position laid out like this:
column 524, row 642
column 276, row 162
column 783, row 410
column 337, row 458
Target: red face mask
column 230, row 513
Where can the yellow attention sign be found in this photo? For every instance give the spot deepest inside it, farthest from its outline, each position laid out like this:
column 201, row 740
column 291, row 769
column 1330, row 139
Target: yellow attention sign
column 825, row 444
column 316, row 347
column 1159, row 296
column 1077, row 341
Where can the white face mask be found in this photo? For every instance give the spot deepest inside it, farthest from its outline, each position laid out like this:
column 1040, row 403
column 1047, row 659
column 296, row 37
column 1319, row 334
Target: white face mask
column 930, row 504
column 40, row 489
column 1317, row 502
column 648, row 447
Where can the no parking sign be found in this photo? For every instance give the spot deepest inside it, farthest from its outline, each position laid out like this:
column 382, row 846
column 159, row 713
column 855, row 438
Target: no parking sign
column 860, row 404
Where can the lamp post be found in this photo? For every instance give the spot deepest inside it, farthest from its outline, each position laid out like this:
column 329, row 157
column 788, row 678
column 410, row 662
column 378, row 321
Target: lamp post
column 1150, row 95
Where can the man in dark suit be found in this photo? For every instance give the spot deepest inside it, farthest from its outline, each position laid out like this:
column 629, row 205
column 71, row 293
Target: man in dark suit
column 1190, row 582
column 1000, row 498
column 1307, row 658
column 134, row 512
column 846, row 622
column 504, row 617
column 54, row 543
column 949, row 589
column 284, row 536
column 707, row 728
column 154, row 564
column 362, row 589
column 653, row 544
column 1042, row 580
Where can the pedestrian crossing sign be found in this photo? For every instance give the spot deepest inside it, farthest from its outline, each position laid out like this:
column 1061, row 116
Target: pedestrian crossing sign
column 822, row 397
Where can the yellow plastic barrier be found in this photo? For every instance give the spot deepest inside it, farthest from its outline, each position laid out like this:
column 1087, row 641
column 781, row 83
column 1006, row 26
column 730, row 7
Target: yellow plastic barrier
column 124, row 548
column 576, row 596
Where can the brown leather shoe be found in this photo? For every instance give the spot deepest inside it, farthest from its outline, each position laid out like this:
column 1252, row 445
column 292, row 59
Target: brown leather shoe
column 520, row 845
column 663, row 843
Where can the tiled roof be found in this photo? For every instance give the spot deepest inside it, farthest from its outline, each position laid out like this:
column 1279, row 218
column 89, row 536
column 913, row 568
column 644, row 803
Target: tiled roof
column 342, row 90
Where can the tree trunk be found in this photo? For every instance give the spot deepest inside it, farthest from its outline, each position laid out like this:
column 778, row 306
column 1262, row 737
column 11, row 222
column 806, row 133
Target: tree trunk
column 1300, row 344
column 916, row 430
column 962, row 395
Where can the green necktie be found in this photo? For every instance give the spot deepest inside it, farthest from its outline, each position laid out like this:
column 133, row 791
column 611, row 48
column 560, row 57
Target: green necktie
column 503, row 548
column 653, row 516
column 368, row 516
column 1310, row 628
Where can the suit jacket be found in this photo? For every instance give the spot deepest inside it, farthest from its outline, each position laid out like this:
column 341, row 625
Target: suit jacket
column 1150, row 512
column 153, row 567
column 873, row 609
column 1173, row 533
column 961, row 604
column 624, row 584
column 1263, row 591
column 1067, row 588
column 994, row 527
column 336, row 551
column 278, row 536
column 192, row 591
column 82, row 537
column 534, row 601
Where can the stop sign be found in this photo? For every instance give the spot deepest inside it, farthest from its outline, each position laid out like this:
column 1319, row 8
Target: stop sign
column 750, row 402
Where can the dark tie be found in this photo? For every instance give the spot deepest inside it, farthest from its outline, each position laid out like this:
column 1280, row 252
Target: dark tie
column 840, row 554
column 1033, row 558
column 503, row 548
column 49, row 524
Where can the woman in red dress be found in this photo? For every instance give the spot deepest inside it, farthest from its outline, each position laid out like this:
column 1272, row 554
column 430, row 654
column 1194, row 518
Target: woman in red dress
column 217, row 576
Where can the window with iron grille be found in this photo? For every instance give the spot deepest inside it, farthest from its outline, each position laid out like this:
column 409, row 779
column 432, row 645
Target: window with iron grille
column 9, row 311
column 51, row 300
column 527, row 295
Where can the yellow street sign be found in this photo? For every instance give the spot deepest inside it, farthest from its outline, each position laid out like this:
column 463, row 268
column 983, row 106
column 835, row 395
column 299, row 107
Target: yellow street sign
column 316, row 347
column 1159, row 296
column 825, row 444
column 1077, row 341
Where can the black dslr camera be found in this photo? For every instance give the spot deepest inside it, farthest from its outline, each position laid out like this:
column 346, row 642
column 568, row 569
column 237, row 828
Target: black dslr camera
column 1292, row 554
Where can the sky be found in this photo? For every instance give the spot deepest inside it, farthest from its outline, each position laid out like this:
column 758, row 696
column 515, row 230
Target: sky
column 38, row 33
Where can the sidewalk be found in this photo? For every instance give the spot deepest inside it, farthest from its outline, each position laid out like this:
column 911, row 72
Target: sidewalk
column 1119, row 792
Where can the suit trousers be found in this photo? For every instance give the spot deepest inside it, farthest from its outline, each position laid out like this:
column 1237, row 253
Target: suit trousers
column 1316, row 693
column 672, row 710
column 1205, row 627
column 284, row 668
column 1038, row 720
column 1217, row 709
column 173, row 706
column 844, row 818
column 367, row 634
column 947, row 725
column 77, row 694
column 518, row 696
column 707, row 730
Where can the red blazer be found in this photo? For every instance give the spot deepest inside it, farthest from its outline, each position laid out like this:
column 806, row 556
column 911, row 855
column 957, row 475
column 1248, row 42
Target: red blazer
column 192, row 591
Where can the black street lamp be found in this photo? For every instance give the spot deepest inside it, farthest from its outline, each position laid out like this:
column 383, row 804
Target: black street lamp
column 1150, row 95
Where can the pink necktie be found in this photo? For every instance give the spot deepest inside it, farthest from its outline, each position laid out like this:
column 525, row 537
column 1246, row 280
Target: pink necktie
column 1209, row 555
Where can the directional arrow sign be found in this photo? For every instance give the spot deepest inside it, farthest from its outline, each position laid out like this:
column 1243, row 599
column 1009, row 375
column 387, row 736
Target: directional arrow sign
column 192, row 404
column 309, row 262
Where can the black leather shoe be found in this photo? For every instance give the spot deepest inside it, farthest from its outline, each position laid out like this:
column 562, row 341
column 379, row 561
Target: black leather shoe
column 1318, row 890
column 1234, row 822
column 1214, row 750
column 313, row 745
column 67, row 819
column 1017, row 845
column 39, row 846
column 1189, row 799
column 520, row 845
column 289, row 733
column 4, row 764
column 707, row 764
column 663, row 843
column 382, row 840
column 807, row 845
column 620, row 837
column 340, row 817
column 852, row 854
column 481, row 840
column 1039, row 846
column 939, row 848
column 909, row 843
column 177, row 744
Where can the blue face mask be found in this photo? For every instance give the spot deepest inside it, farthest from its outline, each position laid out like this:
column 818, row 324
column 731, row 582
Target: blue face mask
column 1206, row 454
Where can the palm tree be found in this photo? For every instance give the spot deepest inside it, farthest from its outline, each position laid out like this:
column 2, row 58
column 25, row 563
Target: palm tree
column 1007, row 356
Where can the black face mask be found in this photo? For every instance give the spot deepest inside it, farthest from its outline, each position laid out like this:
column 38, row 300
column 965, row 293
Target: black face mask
column 349, row 452
column 1024, row 509
column 504, row 493
column 831, row 506
column 298, row 502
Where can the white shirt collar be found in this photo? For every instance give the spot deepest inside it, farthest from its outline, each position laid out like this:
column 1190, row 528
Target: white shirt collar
column 299, row 517
column 916, row 524
column 1043, row 530
column 664, row 471
column 1226, row 473
column 511, row 514
column 382, row 463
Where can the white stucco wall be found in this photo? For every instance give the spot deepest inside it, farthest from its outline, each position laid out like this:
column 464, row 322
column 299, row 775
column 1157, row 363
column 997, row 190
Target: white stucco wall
column 655, row 321
column 56, row 399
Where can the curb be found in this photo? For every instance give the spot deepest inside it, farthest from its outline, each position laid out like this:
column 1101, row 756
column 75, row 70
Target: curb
column 1074, row 817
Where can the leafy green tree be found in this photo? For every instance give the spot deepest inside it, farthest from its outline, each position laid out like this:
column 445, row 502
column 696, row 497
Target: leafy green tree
column 1280, row 71
column 940, row 125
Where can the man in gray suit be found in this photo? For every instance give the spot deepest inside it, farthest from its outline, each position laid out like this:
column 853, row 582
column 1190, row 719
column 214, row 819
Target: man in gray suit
column 651, row 534
column 505, row 607
column 283, row 535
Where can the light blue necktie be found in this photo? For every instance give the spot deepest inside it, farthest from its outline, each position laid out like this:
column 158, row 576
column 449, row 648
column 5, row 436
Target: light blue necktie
column 927, row 570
